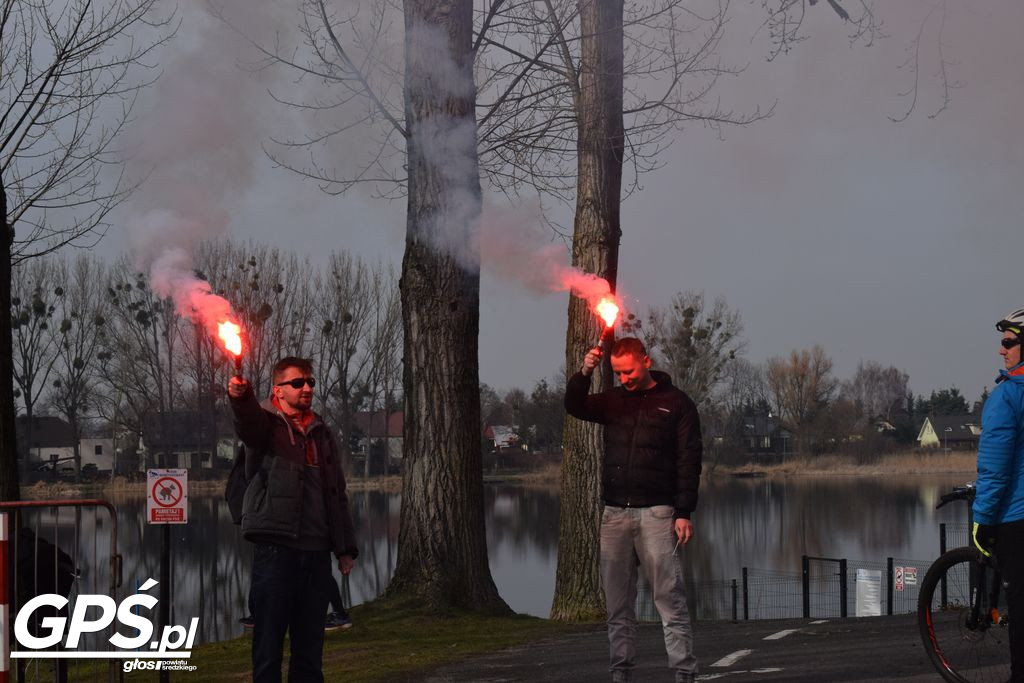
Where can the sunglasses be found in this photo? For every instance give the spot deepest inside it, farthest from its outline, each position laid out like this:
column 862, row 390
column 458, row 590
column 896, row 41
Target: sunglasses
column 1009, row 343
column 298, row 382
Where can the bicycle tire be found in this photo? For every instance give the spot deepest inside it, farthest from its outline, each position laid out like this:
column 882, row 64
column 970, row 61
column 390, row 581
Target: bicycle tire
column 960, row 653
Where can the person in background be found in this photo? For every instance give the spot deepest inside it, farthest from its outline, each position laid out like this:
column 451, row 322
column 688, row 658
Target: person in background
column 999, row 493
column 296, row 514
column 337, row 618
column 652, row 465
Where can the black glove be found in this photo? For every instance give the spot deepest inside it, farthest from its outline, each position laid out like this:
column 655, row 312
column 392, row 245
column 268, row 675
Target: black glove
column 984, row 536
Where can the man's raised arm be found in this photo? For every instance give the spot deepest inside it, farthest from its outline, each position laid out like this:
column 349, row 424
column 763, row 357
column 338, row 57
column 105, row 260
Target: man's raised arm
column 579, row 402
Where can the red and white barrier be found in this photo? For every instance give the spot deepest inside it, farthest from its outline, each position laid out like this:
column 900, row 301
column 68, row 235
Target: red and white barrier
column 5, row 605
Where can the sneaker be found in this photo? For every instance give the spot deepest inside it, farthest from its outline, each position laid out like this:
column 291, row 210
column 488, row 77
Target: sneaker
column 334, row 621
column 247, row 621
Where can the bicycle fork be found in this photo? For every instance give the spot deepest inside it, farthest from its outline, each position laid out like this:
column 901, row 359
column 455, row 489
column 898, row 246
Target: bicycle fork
column 981, row 618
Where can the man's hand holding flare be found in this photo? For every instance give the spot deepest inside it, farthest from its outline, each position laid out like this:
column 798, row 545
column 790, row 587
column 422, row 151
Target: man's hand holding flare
column 237, row 386
column 591, row 360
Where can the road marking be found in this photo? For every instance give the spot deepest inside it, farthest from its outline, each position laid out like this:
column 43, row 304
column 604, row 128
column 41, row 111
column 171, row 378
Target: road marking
column 781, row 634
column 731, row 659
column 711, row 677
column 820, row 621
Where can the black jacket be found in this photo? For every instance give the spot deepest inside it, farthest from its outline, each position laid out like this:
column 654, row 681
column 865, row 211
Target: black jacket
column 652, row 443
column 275, row 465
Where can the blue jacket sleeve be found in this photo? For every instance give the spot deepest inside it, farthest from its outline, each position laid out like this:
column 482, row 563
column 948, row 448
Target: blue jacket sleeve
column 996, row 450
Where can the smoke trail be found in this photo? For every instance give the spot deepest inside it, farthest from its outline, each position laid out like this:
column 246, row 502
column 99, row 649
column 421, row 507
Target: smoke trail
column 507, row 242
column 196, row 141
column 514, row 247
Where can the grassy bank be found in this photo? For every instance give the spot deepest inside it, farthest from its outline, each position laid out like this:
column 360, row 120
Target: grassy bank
column 123, row 487
column 839, row 465
column 907, row 463
column 387, row 643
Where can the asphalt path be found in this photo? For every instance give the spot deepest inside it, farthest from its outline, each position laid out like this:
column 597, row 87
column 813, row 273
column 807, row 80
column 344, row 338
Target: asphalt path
column 869, row 649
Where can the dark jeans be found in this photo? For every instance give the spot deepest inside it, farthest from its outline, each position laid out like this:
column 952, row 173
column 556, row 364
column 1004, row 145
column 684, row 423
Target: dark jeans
column 337, row 604
column 289, row 594
column 1010, row 553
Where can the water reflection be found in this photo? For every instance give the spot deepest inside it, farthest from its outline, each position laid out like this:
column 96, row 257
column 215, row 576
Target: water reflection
column 762, row 524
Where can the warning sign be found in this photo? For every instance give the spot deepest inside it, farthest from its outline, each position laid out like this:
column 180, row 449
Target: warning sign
column 910, row 576
column 167, row 496
column 898, row 578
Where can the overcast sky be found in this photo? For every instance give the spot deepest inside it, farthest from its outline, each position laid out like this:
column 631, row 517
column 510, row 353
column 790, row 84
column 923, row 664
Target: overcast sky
column 825, row 224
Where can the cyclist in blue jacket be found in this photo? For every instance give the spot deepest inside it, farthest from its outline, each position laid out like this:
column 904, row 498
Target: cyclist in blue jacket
column 999, row 503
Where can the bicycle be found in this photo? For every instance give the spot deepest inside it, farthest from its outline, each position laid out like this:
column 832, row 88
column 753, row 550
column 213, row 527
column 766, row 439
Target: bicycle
column 964, row 626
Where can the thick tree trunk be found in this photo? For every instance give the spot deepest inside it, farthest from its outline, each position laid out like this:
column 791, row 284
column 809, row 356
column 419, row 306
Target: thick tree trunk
column 442, row 547
column 596, row 235
column 8, row 438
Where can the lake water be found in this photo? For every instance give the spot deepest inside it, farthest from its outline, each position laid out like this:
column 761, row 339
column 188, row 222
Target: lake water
column 763, row 524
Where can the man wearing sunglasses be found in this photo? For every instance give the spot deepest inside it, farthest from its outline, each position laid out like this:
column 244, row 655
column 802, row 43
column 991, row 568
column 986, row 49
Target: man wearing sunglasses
column 999, row 500
column 295, row 513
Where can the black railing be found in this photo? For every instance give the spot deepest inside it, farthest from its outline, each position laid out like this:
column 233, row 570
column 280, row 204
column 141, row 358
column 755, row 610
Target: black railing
column 824, row 588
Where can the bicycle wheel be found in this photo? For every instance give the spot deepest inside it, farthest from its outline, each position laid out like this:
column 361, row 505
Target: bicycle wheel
column 963, row 648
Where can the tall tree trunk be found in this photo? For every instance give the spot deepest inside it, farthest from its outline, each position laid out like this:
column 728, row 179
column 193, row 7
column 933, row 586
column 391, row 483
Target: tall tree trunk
column 596, row 234
column 442, row 547
column 8, row 438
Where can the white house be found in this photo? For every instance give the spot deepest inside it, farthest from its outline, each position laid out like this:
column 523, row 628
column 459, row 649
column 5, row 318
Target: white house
column 955, row 432
column 53, row 445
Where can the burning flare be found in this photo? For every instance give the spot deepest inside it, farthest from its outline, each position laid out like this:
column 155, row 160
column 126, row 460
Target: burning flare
column 608, row 310
column 231, row 334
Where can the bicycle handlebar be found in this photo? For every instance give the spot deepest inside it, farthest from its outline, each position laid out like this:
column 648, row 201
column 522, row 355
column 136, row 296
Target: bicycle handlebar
column 965, row 492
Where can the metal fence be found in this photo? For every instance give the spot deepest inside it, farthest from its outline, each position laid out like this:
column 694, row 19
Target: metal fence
column 44, row 549
column 824, row 588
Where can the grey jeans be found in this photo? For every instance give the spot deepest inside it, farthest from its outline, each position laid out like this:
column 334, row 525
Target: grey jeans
column 647, row 535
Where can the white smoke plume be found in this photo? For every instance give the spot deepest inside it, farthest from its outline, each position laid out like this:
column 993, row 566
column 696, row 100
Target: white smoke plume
column 514, row 247
column 196, row 140
column 507, row 242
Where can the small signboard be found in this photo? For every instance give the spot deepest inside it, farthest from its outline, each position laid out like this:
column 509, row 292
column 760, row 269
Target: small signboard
column 869, row 593
column 910, row 576
column 898, row 578
column 167, row 496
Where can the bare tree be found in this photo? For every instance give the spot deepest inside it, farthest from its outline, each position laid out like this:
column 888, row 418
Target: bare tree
column 144, row 352
column 68, row 84
column 596, row 235
column 271, row 292
column 36, row 294
column 801, row 386
column 442, row 546
column 743, row 385
column 532, row 107
column 695, row 343
column 83, row 313
column 382, row 353
column 344, row 313
column 784, row 24
column 876, row 391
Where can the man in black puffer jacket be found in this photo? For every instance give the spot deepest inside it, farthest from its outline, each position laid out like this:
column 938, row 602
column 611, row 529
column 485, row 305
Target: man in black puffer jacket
column 295, row 512
column 651, row 473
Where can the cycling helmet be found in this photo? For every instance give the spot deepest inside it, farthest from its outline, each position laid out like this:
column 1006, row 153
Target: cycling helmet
column 1014, row 322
